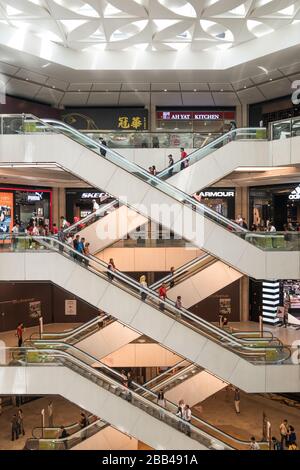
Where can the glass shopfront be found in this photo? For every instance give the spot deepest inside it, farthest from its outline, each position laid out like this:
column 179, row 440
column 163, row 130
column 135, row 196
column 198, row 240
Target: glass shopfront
column 279, row 204
column 80, row 203
column 221, row 200
column 24, row 205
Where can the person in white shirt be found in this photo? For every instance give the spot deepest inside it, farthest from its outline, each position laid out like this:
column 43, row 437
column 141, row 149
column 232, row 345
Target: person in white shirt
column 187, row 416
column 253, row 444
column 283, row 428
column 15, row 231
column 95, row 205
column 271, row 227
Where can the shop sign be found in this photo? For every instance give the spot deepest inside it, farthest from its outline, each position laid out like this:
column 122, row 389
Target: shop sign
column 35, row 309
column 217, row 193
column 295, row 194
column 125, row 119
column 93, row 195
column 34, row 197
column 194, row 115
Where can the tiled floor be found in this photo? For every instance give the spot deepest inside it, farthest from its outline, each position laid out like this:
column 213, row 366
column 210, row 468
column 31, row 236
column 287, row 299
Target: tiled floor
column 219, row 411
column 64, row 413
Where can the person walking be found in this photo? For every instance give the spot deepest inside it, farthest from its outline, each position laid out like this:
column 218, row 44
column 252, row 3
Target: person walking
column 170, row 165
column 178, row 305
column 172, row 273
column 162, row 296
column 180, row 413
column 87, row 253
column 161, row 401
column 187, row 416
column 291, row 438
column 111, row 268
column 103, row 150
column 14, row 428
column 183, row 156
column 83, row 424
column 283, row 428
column 19, row 333
column 143, row 284
column 237, row 399
column 253, row 444
column 20, row 418
column 50, row 414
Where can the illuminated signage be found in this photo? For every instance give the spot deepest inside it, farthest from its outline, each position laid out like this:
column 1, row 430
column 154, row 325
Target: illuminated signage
column 93, row 195
column 217, row 193
column 34, row 197
column 295, row 194
column 195, row 115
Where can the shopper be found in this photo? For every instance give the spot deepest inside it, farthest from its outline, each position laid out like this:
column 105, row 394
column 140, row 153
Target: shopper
column 14, row 428
column 103, row 150
column 111, row 268
column 244, row 224
column 96, row 206
column 161, row 401
column 19, row 333
column 283, row 428
column 183, row 156
column 170, row 165
column 178, row 305
column 154, row 170
column 64, row 435
column 155, row 142
column 275, row 444
column 50, row 414
column 253, row 444
column 237, row 399
column 15, row 232
column 124, row 378
column 83, row 424
column 54, row 229
column 162, row 296
column 20, row 418
column 64, row 223
column 271, row 227
column 180, row 409
column 143, row 283
column 187, row 416
column 172, row 273
column 291, row 438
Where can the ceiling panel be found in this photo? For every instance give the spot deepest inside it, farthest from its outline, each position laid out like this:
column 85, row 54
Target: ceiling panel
column 278, row 88
column 60, row 84
column 7, row 68
column 135, row 86
column 242, row 84
column 225, row 99
column 250, row 95
column 165, row 86
column 22, row 88
column 48, row 95
column 134, row 98
column 264, row 77
column 220, row 86
column 75, row 99
column 194, row 86
column 31, row 76
column 166, row 99
column 103, row 99
column 293, row 68
column 110, row 86
column 197, row 99
column 80, row 87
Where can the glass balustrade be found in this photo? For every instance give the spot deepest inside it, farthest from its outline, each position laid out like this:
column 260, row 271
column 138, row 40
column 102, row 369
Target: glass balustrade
column 265, row 241
column 285, row 128
column 253, row 350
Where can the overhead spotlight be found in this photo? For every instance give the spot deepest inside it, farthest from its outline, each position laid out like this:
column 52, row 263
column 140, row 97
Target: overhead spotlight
column 245, row 86
column 195, row 89
column 165, row 89
column 27, row 79
column 53, row 86
column 78, row 90
column 270, row 79
column 221, row 89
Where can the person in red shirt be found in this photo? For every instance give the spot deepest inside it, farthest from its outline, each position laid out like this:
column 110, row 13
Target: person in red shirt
column 19, row 334
column 162, row 292
column 183, row 156
column 54, row 229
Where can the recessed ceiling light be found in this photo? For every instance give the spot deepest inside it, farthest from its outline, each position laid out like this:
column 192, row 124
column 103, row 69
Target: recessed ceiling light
column 136, row 90
column 27, row 79
column 195, row 89
column 221, row 89
column 79, row 90
column 165, row 89
column 53, row 86
column 245, row 86
column 270, row 79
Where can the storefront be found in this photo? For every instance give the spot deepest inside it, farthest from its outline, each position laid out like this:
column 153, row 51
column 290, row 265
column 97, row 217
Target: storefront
column 203, row 121
column 24, row 205
column 272, row 110
column 279, row 204
column 221, row 200
column 80, row 203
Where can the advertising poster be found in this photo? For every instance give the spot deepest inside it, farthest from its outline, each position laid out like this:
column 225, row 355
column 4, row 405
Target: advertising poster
column 70, row 307
column 35, row 309
column 6, row 212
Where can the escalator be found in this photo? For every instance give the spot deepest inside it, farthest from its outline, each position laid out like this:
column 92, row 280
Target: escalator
column 107, row 225
column 252, row 364
column 198, row 279
column 259, row 255
column 100, row 391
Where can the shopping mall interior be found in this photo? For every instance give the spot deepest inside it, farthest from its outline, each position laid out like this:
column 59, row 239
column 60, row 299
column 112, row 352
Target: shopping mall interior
column 149, row 225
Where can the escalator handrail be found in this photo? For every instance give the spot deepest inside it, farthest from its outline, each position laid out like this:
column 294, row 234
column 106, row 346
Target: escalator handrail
column 92, row 215
column 57, row 428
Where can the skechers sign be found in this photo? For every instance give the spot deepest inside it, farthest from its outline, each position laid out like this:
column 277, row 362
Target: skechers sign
column 295, row 194
column 93, row 195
